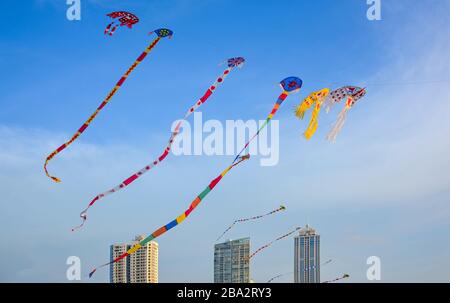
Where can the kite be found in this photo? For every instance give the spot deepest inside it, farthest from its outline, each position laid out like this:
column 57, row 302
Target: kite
column 251, row 218
column 125, row 18
column 352, row 94
column 270, row 243
column 314, row 99
column 161, row 33
column 337, row 95
column 232, row 63
column 178, row 220
column 345, row 276
column 289, row 85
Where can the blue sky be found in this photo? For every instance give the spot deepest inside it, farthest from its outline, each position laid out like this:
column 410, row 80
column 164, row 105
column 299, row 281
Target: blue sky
column 382, row 189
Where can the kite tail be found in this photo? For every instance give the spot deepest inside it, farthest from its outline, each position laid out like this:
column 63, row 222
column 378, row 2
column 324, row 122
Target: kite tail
column 124, row 255
column 107, row 99
column 276, row 277
column 345, row 276
column 260, row 249
column 328, row 104
column 327, row 262
column 108, row 27
column 279, row 276
column 57, row 180
column 127, row 181
column 251, row 218
column 83, row 216
column 338, row 124
column 270, row 243
column 302, row 108
column 313, row 123
column 163, row 155
column 179, row 219
column 113, row 30
column 226, row 230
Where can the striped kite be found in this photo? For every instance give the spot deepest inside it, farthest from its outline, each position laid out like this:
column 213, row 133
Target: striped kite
column 289, row 85
column 352, row 94
column 250, row 219
column 314, row 99
column 125, row 18
column 161, row 33
column 232, row 63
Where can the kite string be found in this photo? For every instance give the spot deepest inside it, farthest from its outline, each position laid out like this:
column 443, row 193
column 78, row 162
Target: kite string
column 138, row 174
column 275, row 108
column 330, row 83
column 105, row 101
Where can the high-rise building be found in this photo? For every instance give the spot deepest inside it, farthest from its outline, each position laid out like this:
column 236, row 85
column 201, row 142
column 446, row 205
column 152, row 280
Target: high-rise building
column 140, row 267
column 231, row 261
column 307, row 256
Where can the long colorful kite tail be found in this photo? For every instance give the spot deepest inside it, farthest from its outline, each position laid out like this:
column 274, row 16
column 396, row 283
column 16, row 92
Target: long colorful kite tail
column 232, row 63
column 270, row 243
column 345, row 276
column 179, row 219
column 161, row 33
column 281, row 208
column 289, row 85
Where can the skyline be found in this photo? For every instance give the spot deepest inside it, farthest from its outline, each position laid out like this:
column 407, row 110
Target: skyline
column 382, row 189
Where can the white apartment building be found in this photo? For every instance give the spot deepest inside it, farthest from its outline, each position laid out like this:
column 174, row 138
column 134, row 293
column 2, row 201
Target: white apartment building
column 140, row 267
